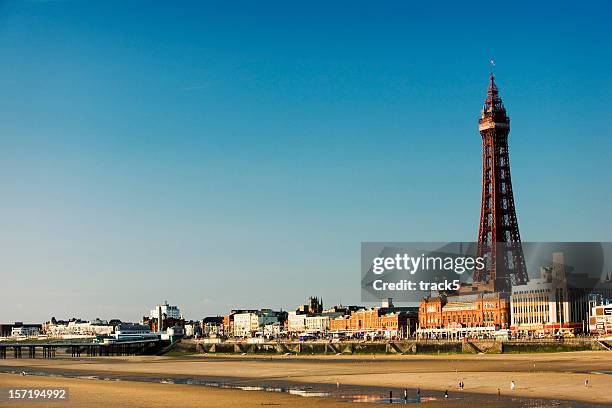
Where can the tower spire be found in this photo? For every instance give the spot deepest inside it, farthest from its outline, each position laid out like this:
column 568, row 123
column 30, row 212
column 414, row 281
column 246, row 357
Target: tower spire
column 492, row 91
column 493, row 106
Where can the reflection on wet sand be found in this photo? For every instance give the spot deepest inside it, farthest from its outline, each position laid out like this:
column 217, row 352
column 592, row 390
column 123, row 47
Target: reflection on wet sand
column 347, row 393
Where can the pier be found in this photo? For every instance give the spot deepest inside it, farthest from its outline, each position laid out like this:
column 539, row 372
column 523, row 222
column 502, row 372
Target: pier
column 79, row 349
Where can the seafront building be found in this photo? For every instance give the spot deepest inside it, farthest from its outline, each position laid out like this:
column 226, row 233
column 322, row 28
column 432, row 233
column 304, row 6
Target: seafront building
column 75, row 328
column 308, row 317
column 296, row 321
column 164, row 316
column 20, row 329
column 557, row 302
column 193, row 329
column 464, row 314
column 273, row 330
column 248, row 324
column 228, row 320
column 212, row 326
column 387, row 321
column 169, row 311
column 320, row 324
column 600, row 321
column 25, row 330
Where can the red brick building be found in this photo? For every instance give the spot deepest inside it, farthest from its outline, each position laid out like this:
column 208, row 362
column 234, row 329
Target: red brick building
column 390, row 322
column 470, row 310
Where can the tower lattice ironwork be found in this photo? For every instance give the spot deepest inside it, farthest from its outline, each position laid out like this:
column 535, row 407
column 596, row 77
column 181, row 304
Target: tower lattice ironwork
column 499, row 241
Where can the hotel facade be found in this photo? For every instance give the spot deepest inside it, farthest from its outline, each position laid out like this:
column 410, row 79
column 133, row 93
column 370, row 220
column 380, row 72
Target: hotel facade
column 556, row 303
column 446, row 316
column 388, row 322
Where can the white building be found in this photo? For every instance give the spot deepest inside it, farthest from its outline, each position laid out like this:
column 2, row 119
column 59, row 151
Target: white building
column 242, row 324
column 24, row 331
column 296, row 323
column 78, row 328
column 126, row 331
column 536, row 306
column 246, row 324
column 272, row 330
column 192, row 329
column 317, row 324
column 555, row 303
column 172, row 312
column 600, row 321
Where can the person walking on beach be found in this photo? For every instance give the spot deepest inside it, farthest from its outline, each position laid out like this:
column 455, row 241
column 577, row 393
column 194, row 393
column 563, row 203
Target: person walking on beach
column 586, row 382
column 418, row 396
column 512, row 385
column 445, row 393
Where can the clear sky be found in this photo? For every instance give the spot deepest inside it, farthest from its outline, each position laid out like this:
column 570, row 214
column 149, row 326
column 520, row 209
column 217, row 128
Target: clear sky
column 220, row 155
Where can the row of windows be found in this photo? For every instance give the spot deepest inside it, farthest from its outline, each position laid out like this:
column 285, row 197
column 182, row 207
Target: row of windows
column 486, row 317
column 485, row 306
column 522, row 292
column 531, row 319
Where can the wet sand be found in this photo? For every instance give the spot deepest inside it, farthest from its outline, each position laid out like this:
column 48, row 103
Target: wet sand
column 87, row 393
column 558, row 376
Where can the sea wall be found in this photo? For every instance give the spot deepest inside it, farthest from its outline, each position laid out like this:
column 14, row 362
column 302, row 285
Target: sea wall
column 395, row 347
column 549, row 346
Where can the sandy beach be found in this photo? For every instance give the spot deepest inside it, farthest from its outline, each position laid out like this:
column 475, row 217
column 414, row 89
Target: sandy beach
column 558, row 376
column 88, row 393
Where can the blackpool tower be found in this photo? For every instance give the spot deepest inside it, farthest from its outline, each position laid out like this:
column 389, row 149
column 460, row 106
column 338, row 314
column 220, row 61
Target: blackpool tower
column 499, row 241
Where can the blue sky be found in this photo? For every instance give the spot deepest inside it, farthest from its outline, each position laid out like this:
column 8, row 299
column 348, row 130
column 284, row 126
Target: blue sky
column 221, row 155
